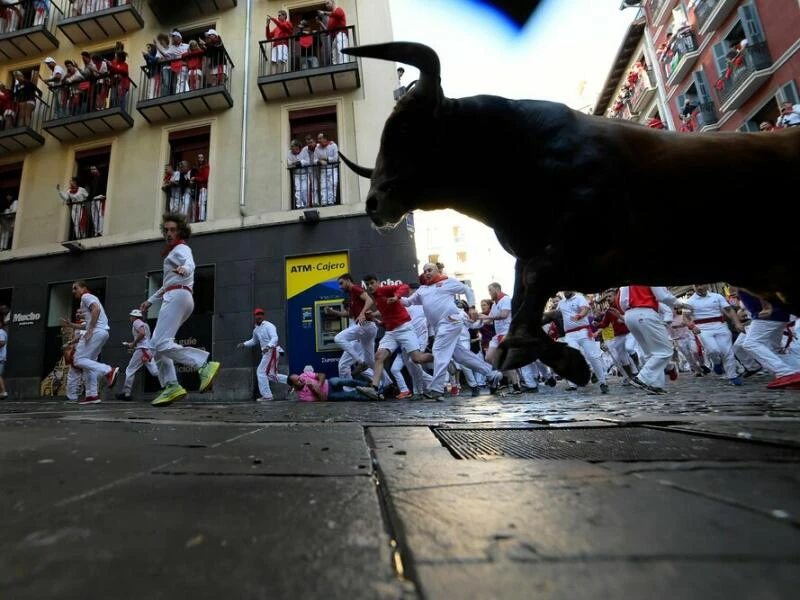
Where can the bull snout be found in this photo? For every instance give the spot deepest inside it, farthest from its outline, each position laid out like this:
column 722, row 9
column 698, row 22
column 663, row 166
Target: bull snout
column 372, row 204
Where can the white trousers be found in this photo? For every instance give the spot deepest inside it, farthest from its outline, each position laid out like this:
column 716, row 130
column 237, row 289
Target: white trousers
column 358, row 345
column 139, row 358
column 176, row 308
column 74, row 383
column 328, row 180
column 718, row 345
column 340, row 42
column 86, row 354
column 268, row 371
column 648, row 328
column 446, row 348
column 744, row 356
column 583, row 341
column 762, row 339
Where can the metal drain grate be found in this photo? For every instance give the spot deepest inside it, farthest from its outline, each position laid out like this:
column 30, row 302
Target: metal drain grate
column 603, row 444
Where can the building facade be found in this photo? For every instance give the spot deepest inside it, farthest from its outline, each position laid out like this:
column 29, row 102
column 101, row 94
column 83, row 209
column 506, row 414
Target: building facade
column 714, row 65
column 238, row 99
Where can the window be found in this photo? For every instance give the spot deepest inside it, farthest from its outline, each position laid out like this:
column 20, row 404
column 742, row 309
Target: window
column 457, row 233
column 433, row 258
column 461, row 257
column 787, row 93
column 10, row 177
column 30, row 72
column 188, row 158
column 318, row 183
column 196, row 32
column 91, row 171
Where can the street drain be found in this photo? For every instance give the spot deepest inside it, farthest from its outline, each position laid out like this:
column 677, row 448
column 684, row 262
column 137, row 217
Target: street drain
column 603, row 444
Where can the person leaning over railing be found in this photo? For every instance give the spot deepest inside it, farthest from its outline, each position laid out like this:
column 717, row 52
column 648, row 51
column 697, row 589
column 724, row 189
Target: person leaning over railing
column 120, row 79
column 75, row 197
column 216, row 59
column 25, row 95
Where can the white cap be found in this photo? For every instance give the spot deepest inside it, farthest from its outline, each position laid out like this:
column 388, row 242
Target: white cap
column 212, row 32
column 49, row 59
column 178, row 33
column 135, row 313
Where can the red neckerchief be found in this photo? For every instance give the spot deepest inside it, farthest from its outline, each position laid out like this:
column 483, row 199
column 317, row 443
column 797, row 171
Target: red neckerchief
column 168, row 248
column 435, row 279
column 500, row 296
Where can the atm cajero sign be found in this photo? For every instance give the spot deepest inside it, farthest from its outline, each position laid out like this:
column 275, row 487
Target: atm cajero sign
column 22, row 319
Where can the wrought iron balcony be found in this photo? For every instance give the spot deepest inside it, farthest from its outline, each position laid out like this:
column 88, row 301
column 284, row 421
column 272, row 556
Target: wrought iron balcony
column 85, row 216
column 745, row 74
column 171, row 11
column 189, row 199
column 89, row 108
column 707, row 114
column 93, row 20
column 307, row 65
column 685, row 52
column 314, row 186
column 643, row 90
column 22, row 130
column 185, row 87
column 711, row 13
column 28, row 33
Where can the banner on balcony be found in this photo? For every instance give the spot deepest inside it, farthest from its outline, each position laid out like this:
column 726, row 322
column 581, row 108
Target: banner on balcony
column 311, row 286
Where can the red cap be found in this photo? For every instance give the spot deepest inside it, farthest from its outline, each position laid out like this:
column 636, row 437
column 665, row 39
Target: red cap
column 258, row 311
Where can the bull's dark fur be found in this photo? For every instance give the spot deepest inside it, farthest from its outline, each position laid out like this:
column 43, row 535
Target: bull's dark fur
column 626, row 203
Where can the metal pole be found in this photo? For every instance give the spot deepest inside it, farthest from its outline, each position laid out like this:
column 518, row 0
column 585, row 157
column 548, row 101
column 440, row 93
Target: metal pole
column 245, row 111
column 666, row 114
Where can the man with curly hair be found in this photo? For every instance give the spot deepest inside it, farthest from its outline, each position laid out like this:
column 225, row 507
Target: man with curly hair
column 177, row 306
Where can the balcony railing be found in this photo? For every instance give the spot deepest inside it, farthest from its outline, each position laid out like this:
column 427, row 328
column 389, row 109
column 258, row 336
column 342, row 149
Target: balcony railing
column 22, row 126
column 643, row 89
column 187, row 86
column 307, row 64
column 709, row 14
column 172, row 11
column 90, row 20
column 189, row 199
column 742, row 77
column 88, row 108
column 707, row 114
column 685, row 51
column 7, row 221
column 315, row 185
column 27, row 31
column 86, row 218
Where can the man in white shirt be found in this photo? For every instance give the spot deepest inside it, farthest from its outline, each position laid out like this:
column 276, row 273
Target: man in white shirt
column 575, row 311
column 142, row 353
column 265, row 337
column 88, row 349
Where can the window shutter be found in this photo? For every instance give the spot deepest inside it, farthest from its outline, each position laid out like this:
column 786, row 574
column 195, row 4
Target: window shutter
column 679, row 101
column 720, row 51
column 701, row 84
column 751, row 23
column 787, row 93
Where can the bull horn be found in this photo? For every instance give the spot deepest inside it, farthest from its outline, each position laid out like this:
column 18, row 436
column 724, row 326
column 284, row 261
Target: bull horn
column 363, row 171
column 410, row 53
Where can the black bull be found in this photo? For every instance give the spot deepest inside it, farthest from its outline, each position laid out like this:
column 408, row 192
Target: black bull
column 585, row 202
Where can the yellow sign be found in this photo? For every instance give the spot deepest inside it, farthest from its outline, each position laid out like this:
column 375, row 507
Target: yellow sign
column 304, row 272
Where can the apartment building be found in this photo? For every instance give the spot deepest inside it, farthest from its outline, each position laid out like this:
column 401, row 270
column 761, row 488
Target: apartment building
column 707, row 65
column 263, row 235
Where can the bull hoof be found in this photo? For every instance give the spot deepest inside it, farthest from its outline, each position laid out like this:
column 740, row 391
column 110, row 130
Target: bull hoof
column 514, row 357
column 573, row 367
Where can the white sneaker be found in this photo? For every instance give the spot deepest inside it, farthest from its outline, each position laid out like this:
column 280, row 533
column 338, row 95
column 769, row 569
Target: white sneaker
column 265, row 399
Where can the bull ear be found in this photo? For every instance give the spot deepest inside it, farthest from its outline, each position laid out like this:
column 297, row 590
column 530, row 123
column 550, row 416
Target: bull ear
column 359, row 170
column 410, row 53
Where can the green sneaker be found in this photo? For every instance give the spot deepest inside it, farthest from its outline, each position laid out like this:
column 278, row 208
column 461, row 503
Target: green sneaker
column 173, row 391
column 207, row 374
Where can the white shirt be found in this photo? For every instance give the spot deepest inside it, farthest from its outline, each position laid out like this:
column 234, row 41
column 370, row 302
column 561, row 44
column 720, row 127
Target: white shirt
column 438, row 300
column 136, row 329
column 179, row 256
column 4, row 339
column 419, row 322
column 87, row 300
column 329, row 153
column 570, row 307
column 708, row 306
column 265, row 335
column 501, row 326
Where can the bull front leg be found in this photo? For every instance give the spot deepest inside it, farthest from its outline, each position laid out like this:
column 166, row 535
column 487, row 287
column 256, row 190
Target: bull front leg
column 526, row 340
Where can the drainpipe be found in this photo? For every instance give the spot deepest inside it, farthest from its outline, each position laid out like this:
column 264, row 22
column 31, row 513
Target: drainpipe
column 661, row 86
column 245, row 109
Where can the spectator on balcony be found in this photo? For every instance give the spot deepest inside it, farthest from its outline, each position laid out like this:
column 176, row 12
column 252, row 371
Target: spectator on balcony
column 7, row 107
column 200, row 180
column 76, row 88
column 8, row 215
column 186, row 187
column 327, row 154
column 40, row 8
column 308, row 53
column 25, row 95
column 308, row 157
column 120, row 78
column 194, row 65
column 217, row 59
column 99, row 75
column 766, row 126
column 279, row 36
column 11, row 16
column 297, row 162
column 790, row 115
column 169, row 184
column 75, row 197
column 687, row 115
column 170, row 48
column 97, row 199
column 337, row 30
